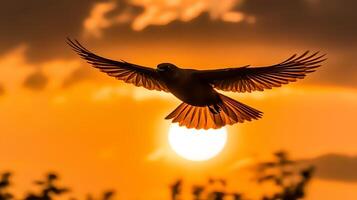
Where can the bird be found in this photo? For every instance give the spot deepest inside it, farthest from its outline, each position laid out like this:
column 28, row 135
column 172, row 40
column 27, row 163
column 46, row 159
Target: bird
column 203, row 106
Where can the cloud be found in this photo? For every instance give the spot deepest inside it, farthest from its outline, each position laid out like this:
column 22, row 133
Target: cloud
column 101, row 17
column 14, row 68
column 78, row 75
column 331, row 167
column 335, row 167
column 175, row 26
column 36, row 81
column 327, row 21
column 158, row 155
column 97, row 20
column 17, row 72
column 165, row 11
column 321, row 20
column 59, row 71
column 2, row 90
column 110, row 92
column 159, row 12
column 41, row 25
column 44, row 26
column 245, row 163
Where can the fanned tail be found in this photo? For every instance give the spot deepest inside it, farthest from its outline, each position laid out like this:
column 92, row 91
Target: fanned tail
column 229, row 112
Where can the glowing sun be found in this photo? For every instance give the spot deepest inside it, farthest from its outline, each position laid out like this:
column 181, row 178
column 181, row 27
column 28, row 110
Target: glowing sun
column 197, row 145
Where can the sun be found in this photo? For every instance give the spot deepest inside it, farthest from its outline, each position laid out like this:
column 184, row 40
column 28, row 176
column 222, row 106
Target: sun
column 197, row 145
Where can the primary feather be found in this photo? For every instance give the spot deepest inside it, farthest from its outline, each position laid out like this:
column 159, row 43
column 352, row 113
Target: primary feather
column 248, row 79
column 130, row 73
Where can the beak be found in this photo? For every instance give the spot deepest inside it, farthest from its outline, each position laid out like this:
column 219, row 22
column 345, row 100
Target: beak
column 160, row 69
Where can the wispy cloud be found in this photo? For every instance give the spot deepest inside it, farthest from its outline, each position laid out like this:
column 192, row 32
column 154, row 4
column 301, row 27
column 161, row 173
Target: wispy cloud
column 157, row 155
column 36, row 81
column 97, row 20
column 79, row 74
column 335, row 167
column 17, row 72
column 160, row 12
column 2, row 90
column 243, row 163
column 110, row 92
column 14, row 68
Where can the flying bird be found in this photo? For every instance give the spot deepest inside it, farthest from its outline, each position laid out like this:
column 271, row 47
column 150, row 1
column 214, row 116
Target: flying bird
column 203, row 107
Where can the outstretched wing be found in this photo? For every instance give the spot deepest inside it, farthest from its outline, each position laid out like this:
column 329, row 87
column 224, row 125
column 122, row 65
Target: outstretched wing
column 130, row 73
column 248, row 79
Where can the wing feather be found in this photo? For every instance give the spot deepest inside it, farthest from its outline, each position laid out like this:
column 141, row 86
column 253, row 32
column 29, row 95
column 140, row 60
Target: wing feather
column 130, row 73
column 248, row 79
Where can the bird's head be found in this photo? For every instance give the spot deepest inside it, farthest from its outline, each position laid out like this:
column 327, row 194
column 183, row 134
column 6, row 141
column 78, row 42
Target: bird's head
column 166, row 67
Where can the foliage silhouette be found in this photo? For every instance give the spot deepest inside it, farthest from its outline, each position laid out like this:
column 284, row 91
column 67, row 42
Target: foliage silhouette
column 49, row 189
column 200, row 192
column 197, row 192
column 4, row 184
column 107, row 195
column 176, row 189
column 290, row 177
column 287, row 175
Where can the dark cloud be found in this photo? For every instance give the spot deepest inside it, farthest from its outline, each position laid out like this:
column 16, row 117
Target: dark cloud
column 335, row 167
column 326, row 25
column 43, row 25
column 322, row 23
column 36, row 81
column 330, row 21
column 78, row 75
column 2, row 90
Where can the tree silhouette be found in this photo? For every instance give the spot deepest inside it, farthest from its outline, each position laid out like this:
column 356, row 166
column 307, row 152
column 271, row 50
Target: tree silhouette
column 285, row 174
column 107, row 195
column 176, row 189
column 237, row 196
column 4, row 184
column 197, row 192
column 200, row 192
column 49, row 189
column 289, row 176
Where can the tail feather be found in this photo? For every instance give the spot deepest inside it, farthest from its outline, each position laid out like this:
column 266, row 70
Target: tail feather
column 231, row 112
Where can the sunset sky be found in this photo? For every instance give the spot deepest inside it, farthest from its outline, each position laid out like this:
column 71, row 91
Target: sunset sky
column 59, row 114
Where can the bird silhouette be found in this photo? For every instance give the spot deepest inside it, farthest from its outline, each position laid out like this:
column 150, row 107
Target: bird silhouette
column 203, row 107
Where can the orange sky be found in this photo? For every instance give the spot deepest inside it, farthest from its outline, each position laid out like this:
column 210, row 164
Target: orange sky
column 100, row 133
column 114, row 135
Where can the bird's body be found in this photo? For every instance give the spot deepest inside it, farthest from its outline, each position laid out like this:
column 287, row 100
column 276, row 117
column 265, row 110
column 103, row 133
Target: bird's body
column 180, row 81
column 202, row 106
